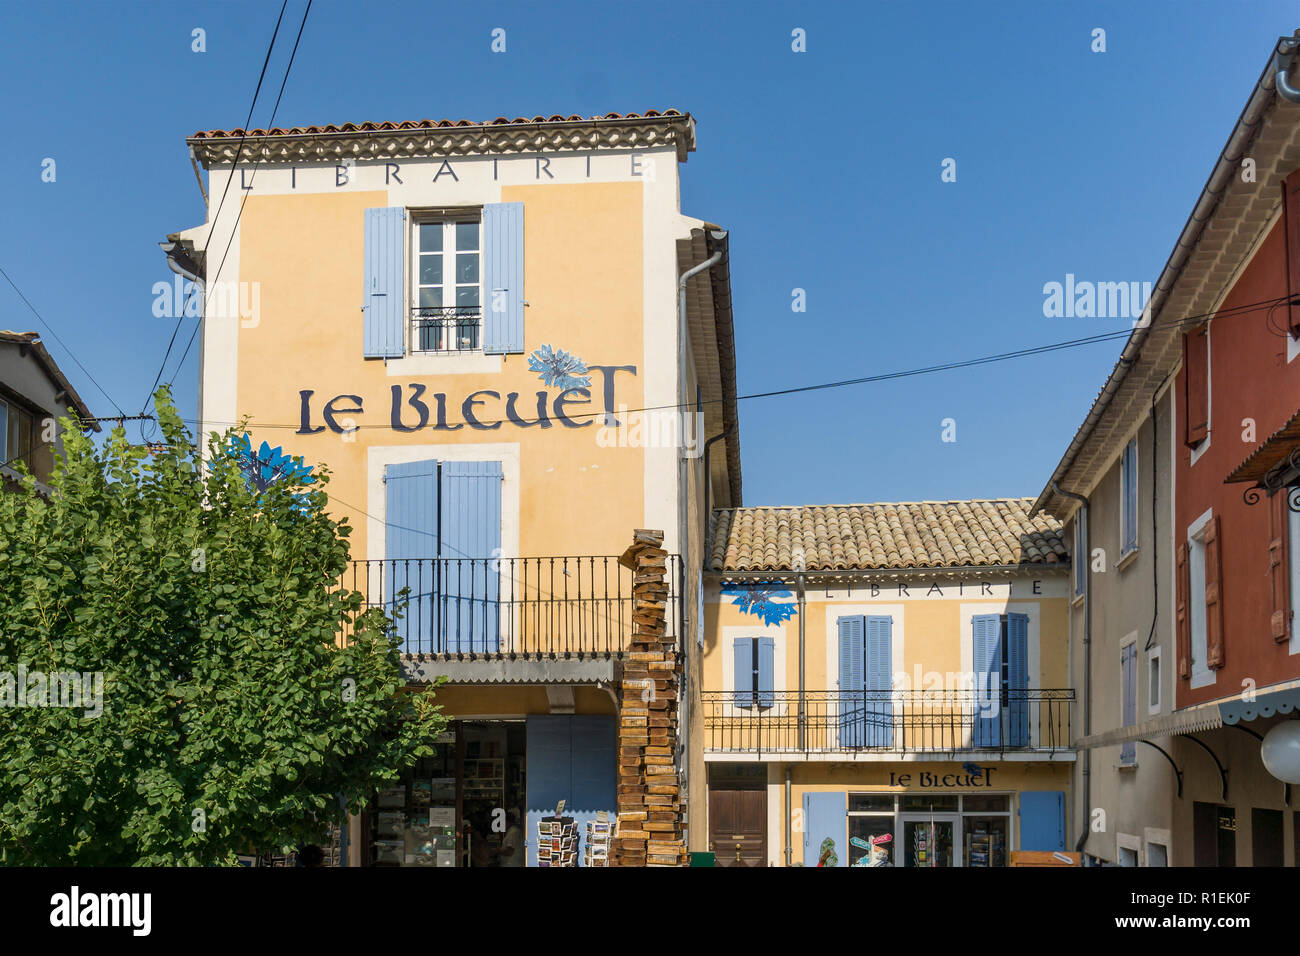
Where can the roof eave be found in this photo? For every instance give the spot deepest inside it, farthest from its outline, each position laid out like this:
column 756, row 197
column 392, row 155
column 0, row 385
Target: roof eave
column 1262, row 99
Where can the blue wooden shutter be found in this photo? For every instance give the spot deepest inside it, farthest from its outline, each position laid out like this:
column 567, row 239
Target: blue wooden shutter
column 1128, row 680
column 825, row 817
column 879, row 673
column 570, row 758
column 852, row 681
column 470, row 539
column 503, row 277
column 986, row 647
column 766, row 672
column 742, row 656
column 1018, row 679
column 592, row 761
column 410, row 542
column 1042, row 820
column 549, row 776
column 384, row 328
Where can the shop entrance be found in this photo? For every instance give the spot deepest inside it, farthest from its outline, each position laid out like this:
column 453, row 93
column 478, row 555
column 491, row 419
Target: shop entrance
column 463, row 806
column 928, row 839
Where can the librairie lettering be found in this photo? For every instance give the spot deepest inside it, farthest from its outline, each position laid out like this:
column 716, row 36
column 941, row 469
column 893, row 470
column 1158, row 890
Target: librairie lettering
column 413, row 408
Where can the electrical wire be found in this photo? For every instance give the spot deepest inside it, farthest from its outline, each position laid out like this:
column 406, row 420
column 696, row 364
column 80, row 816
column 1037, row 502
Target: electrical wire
column 270, row 124
column 842, row 383
column 48, row 328
column 211, row 230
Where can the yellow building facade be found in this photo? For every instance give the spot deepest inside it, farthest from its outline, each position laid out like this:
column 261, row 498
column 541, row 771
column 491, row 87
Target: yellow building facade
column 484, row 333
column 886, row 685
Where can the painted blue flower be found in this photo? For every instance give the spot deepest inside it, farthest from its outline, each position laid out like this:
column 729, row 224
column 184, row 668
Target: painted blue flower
column 759, row 600
column 267, row 464
column 559, row 369
column 974, row 769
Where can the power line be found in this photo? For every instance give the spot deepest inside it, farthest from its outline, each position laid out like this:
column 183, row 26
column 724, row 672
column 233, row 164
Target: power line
column 59, row 340
column 220, row 205
column 842, row 383
column 244, row 199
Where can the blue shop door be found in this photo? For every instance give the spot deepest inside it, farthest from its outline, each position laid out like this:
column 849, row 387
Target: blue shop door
column 825, row 817
column 1042, row 820
column 569, row 758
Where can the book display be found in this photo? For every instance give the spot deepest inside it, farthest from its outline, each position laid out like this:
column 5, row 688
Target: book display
column 986, row 846
column 557, row 839
column 414, row 823
column 600, row 837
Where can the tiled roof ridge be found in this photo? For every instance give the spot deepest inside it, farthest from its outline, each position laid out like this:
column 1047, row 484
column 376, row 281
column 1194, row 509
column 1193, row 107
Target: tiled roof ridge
column 900, row 536
column 401, row 125
column 883, row 504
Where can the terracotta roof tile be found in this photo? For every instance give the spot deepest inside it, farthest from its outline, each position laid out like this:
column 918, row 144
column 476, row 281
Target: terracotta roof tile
column 372, row 127
column 904, row 535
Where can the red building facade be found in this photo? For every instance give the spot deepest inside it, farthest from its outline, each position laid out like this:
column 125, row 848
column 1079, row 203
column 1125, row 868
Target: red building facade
column 1237, row 389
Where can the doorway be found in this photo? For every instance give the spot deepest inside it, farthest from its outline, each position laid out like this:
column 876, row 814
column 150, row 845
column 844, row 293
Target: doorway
column 738, row 816
column 929, row 839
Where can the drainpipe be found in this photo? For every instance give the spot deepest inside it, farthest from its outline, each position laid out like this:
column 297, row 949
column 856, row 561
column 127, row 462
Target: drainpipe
column 789, row 818
column 803, row 718
column 683, row 539
column 1085, row 547
column 1286, row 46
column 682, row 338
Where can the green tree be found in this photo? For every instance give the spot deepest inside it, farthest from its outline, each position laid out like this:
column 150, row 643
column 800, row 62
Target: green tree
column 232, row 714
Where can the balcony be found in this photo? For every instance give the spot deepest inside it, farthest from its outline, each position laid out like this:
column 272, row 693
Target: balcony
column 551, row 619
column 875, row 724
column 448, row 329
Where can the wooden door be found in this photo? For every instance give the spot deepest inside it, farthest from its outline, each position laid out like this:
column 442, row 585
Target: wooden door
column 738, row 826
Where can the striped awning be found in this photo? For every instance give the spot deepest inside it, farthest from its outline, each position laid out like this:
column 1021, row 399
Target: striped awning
column 1275, row 450
column 1189, row 721
column 1276, row 699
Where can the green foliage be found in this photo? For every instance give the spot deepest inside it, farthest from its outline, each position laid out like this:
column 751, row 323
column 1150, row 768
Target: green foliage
column 232, row 714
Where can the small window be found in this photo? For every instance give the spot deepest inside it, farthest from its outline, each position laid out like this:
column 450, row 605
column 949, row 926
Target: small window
column 1153, row 680
column 754, row 672
column 448, row 315
column 1128, row 698
column 1128, row 516
column 1080, row 558
column 1196, row 386
column 20, row 442
column 1201, row 673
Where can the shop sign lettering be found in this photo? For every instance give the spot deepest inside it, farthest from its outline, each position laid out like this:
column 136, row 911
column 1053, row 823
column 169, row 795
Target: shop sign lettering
column 926, row 778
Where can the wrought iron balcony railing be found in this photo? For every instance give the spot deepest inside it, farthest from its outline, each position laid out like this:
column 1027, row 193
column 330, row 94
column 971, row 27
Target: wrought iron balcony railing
column 829, row 721
column 455, row 328
column 515, row 608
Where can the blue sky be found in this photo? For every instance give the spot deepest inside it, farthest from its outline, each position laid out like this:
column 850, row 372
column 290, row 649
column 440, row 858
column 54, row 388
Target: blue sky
column 824, row 165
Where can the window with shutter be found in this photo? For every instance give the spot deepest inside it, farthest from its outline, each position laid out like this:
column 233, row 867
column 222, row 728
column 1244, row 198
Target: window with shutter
column 1129, row 498
column 383, row 302
column 503, row 244
column 986, row 646
column 852, row 681
column 470, row 546
column 1196, row 386
column 1017, row 644
column 1128, row 698
column 742, row 672
column 765, row 676
column 1213, row 596
column 442, row 524
column 1279, row 576
column 879, row 677
column 1291, row 225
column 1182, row 586
column 754, row 672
